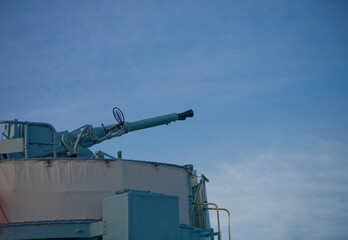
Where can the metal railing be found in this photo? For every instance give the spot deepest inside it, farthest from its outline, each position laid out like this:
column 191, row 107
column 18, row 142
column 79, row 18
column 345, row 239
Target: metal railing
column 229, row 219
column 217, row 212
column 26, row 142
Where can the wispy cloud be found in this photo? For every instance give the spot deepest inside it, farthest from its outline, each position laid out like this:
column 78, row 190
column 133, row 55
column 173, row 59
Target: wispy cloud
column 282, row 195
column 255, row 74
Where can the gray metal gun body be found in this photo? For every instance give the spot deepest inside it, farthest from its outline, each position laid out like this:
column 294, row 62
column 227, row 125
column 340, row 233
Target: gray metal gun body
column 23, row 140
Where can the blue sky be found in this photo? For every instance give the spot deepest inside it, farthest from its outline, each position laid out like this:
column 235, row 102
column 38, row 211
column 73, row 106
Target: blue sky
column 267, row 81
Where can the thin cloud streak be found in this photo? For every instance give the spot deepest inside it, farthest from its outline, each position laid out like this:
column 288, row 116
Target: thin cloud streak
column 286, row 195
column 266, row 80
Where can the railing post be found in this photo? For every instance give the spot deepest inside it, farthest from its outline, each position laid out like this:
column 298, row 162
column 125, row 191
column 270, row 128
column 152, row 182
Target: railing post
column 26, row 140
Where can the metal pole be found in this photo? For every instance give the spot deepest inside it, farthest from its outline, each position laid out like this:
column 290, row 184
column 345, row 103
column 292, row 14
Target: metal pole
column 54, row 144
column 26, row 140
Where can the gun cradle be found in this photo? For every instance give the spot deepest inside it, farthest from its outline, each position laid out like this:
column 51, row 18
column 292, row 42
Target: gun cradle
column 24, row 140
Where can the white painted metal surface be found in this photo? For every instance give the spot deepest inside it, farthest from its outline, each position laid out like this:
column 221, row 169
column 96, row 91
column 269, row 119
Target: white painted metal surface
column 74, row 189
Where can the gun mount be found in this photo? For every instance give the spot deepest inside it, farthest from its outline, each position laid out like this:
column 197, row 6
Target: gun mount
column 52, row 188
column 24, row 140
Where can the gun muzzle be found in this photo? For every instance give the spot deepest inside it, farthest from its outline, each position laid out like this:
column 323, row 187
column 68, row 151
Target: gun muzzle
column 184, row 115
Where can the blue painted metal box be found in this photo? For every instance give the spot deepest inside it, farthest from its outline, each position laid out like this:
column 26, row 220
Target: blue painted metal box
column 141, row 215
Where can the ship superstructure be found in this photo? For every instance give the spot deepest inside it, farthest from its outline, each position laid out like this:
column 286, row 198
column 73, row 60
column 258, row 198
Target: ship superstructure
column 52, row 186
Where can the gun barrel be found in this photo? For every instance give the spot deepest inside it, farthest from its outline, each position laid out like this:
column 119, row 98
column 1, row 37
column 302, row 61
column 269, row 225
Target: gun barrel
column 184, row 115
column 150, row 122
column 157, row 121
column 103, row 133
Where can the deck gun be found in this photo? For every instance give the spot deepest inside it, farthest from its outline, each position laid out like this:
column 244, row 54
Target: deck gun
column 24, row 140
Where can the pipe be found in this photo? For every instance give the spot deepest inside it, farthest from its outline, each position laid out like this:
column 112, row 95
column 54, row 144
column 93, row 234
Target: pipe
column 79, row 137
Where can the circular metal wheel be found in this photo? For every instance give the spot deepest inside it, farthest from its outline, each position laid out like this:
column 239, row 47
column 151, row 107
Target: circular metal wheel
column 118, row 115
